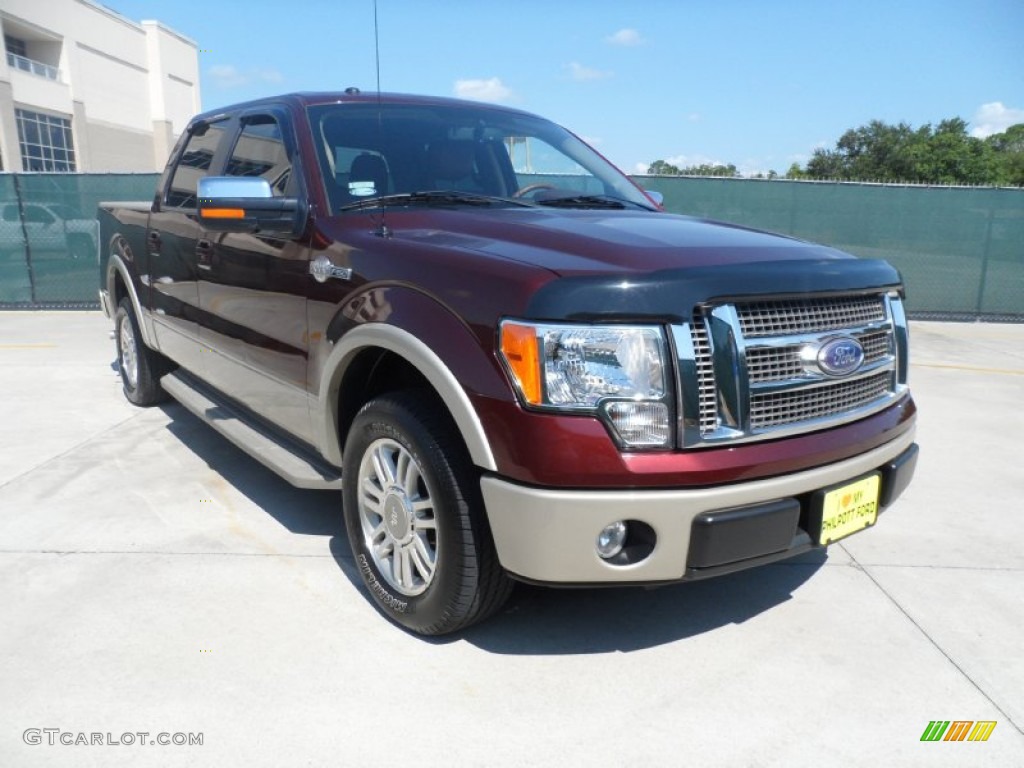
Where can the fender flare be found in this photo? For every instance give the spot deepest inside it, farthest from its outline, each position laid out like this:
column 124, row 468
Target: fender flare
column 115, row 264
column 421, row 357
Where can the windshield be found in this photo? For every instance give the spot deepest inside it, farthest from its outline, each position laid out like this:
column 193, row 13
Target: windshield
column 370, row 151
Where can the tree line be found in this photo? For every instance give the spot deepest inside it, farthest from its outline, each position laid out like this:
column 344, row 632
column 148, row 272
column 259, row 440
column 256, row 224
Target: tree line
column 878, row 151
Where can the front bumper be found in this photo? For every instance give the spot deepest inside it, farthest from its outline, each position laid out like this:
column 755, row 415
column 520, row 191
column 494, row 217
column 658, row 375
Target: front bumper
column 548, row 536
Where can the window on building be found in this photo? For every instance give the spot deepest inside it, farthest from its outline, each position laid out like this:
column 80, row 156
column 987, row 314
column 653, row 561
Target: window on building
column 194, row 162
column 15, row 45
column 45, row 141
column 260, row 151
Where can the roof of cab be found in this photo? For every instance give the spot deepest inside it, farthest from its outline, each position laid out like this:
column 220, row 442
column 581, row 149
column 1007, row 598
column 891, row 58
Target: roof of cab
column 310, row 98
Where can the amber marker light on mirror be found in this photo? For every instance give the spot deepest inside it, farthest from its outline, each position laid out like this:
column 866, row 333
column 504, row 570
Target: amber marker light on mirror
column 519, row 348
column 223, row 213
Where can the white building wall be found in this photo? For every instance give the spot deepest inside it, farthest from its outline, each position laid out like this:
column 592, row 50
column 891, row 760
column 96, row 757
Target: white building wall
column 129, row 88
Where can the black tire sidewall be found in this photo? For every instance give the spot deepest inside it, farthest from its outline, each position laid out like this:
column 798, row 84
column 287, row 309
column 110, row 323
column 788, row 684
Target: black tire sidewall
column 147, row 390
column 124, row 316
column 393, row 418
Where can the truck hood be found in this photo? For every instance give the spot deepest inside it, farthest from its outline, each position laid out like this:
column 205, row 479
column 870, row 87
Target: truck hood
column 635, row 264
column 587, row 242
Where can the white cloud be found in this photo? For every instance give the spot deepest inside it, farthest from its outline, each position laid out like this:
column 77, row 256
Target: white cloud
column 270, row 76
column 582, row 73
column 626, row 37
column 491, row 89
column 688, row 161
column 229, row 76
column 994, row 117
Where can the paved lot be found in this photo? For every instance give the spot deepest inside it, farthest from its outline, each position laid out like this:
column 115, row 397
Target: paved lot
column 155, row 579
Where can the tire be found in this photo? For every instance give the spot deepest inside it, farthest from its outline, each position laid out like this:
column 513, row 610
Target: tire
column 140, row 367
column 416, row 520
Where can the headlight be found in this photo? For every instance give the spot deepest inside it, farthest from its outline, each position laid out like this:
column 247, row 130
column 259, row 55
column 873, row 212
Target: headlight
column 616, row 371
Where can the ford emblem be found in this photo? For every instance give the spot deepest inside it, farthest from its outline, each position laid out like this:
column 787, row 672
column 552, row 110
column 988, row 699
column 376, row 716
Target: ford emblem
column 840, row 357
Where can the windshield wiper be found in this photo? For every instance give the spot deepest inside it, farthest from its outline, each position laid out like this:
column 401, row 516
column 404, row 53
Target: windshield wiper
column 429, row 197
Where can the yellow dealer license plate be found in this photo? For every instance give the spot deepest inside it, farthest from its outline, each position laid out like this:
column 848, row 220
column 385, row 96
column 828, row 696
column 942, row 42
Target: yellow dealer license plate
column 849, row 509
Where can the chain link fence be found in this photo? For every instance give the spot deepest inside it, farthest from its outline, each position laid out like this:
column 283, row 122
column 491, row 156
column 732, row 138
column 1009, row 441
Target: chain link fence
column 960, row 249
column 49, row 236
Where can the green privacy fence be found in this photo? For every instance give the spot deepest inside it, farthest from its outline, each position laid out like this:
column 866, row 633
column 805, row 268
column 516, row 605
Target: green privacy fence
column 49, row 237
column 961, row 250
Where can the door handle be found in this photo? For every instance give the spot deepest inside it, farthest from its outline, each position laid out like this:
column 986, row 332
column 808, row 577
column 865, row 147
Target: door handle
column 204, row 254
column 153, row 240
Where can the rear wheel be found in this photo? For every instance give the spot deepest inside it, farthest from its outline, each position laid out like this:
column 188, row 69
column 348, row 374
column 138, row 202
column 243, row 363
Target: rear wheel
column 415, row 517
column 140, row 366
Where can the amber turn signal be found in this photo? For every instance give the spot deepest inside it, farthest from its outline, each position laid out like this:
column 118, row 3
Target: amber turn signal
column 519, row 348
column 223, row 213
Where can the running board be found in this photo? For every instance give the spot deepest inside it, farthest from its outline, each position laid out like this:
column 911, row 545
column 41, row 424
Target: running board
column 296, row 465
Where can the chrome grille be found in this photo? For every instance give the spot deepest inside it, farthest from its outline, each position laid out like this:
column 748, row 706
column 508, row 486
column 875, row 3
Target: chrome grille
column 876, row 345
column 781, row 363
column 780, row 318
column 752, row 383
column 778, row 408
column 774, row 363
column 707, row 402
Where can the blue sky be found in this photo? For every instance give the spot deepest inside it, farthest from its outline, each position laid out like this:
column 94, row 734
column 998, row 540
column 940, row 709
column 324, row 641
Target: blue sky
column 757, row 84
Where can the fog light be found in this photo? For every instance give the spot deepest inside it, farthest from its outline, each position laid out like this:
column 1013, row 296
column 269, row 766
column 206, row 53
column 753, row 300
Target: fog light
column 611, row 540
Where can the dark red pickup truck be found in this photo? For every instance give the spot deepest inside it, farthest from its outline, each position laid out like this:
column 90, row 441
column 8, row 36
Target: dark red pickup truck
column 512, row 362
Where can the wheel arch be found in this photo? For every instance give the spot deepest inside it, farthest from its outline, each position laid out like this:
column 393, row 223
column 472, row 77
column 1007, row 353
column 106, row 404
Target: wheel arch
column 389, row 358
column 119, row 285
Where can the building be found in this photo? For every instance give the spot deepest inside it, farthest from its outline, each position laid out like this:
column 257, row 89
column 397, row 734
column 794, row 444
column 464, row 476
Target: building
column 83, row 89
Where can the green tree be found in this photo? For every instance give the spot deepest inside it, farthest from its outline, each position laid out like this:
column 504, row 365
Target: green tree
column 948, row 155
column 709, row 169
column 945, row 154
column 795, row 172
column 661, row 168
column 1008, row 147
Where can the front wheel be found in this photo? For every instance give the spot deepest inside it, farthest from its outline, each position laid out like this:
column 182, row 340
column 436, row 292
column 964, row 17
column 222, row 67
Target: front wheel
column 415, row 517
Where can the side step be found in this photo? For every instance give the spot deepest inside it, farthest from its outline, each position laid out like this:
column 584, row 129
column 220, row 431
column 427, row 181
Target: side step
column 297, row 465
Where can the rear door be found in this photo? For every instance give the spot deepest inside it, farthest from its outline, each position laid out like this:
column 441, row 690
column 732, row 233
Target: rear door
column 171, row 241
column 252, row 287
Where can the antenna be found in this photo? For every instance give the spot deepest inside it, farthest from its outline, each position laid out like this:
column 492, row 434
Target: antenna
column 382, row 230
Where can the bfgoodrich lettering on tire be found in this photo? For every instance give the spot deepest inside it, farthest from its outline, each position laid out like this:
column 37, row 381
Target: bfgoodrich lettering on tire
column 415, row 517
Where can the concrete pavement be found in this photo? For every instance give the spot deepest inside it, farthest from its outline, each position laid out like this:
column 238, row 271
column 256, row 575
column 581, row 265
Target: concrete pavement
column 155, row 579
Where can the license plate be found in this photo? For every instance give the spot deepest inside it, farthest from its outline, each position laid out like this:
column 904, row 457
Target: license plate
column 849, row 508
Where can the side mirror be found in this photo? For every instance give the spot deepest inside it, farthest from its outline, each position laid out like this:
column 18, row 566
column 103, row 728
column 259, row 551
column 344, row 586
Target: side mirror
column 657, row 197
column 245, row 204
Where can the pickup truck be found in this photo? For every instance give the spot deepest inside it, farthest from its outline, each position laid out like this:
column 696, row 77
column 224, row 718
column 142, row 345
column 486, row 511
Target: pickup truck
column 512, row 362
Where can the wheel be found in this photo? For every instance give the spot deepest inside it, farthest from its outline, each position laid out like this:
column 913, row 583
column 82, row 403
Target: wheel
column 415, row 517
column 140, row 366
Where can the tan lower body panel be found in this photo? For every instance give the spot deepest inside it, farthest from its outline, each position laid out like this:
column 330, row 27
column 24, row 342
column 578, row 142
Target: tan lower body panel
column 549, row 535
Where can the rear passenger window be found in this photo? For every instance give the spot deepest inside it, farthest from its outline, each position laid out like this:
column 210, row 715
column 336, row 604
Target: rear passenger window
column 260, row 151
column 193, row 165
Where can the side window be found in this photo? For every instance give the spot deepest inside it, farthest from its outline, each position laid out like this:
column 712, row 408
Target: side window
column 36, row 214
column 537, row 162
column 260, row 151
column 193, row 165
